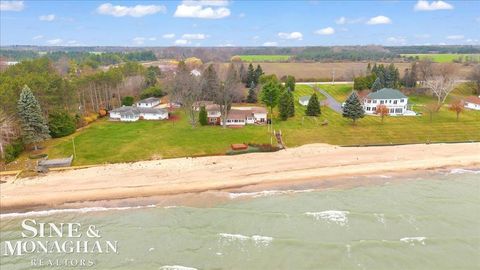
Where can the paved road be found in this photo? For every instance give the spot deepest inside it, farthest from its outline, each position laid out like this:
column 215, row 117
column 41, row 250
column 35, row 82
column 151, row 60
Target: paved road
column 331, row 102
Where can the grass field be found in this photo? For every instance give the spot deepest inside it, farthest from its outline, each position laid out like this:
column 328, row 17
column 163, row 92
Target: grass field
column 265, row 58
column 445, row 57
column 110, row 142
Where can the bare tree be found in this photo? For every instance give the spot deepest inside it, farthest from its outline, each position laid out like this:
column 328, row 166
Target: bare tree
column 475, row 77
column 424, row 69
column 7, row 131
column 185, row 88
column 228, row 92
column 442, row 82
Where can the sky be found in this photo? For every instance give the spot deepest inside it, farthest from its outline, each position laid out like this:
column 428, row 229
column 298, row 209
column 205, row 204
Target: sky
column 239, row 23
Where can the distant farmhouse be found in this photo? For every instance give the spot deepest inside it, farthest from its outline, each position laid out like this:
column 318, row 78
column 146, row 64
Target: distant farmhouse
column 238, row 116
column 304, row 100
column 394, row 100
column 148, row 102
column 145, row 109
column 473, row 103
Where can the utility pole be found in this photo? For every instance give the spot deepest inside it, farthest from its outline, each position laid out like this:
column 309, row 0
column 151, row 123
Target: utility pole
column 333, row 76
column 74, row 152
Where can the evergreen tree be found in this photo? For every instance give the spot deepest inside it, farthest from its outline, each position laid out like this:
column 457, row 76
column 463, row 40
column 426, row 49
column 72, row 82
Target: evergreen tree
column 291, row 105
column 258, row 73
column 284, row 105
column 353, row 108
column 290, row 83
column 252, row 95
column 250, row 76
column 313, row 107
column 269, row 94
column 127, row 101
column 377, row 85
column 34, row 126
column 202, row 116
column 210, row 83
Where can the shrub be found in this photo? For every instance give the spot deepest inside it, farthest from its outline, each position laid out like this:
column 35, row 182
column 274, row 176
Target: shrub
column 13, row 150
column 152, row 91
column 61, row 124
column 203, row 116
column 127, row 101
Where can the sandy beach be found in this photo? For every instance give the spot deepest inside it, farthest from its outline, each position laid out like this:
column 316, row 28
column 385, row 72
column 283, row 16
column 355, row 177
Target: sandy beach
column 315, row 162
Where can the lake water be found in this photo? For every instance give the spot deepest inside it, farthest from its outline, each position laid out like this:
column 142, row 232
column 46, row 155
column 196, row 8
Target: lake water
column 428, row 222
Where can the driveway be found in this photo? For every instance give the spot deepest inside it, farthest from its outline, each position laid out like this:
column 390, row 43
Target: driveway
column 331, row 102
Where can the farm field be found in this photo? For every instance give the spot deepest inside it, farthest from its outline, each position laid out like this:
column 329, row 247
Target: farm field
column 105, row 141
column 445, row 57
column 264, row 58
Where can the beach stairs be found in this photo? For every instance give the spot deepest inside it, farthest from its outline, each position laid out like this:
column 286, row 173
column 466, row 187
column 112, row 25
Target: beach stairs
column 278, row 136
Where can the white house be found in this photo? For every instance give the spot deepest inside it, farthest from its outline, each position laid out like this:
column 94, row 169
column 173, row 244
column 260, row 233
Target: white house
column 304, row 100
column 394, row 100
column 472, row 102
column 148, row 102
column 132, row 114
column 237, row 116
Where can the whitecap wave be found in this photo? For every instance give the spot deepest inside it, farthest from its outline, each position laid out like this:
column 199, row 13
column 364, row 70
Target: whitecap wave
column 176, row 267
column 266, row 193
column 462, row 171
column 334, row 216
column 72, row 210
column 413, row 240
column 258, row 240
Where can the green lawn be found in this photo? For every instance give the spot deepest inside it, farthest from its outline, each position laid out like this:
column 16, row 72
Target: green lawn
column 339, row 92
column 265, row 58
column 445, row 57
column 110, row 142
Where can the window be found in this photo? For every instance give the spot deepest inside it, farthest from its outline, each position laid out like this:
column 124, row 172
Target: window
column 398, row 110
column 381, row 101
column 395, row 101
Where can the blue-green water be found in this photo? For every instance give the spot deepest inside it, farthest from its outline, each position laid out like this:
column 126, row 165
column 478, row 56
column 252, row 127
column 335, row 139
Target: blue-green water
column 430, row 222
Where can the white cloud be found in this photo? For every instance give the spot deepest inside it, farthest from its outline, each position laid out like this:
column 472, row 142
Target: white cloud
column 181, row 42
column 168, row 36
column 344, row 20
column 241, row 15
column 152, row 38
column 397, row 40
column 139, row 40
column 194, row 36
column 203, row 9
column 11, row 5
column 422, row 36
column 133, row 11
column 455, row 37
column 270, row 43
column 423, row 5
column 54, row 41
column 48, row 18
column 292, row 35
column 37, row 37
column 341, row 20
column 379, row 20
column 325, row 31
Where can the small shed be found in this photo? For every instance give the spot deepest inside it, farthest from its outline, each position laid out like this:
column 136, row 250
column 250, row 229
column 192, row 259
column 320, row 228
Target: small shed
column 304, row 100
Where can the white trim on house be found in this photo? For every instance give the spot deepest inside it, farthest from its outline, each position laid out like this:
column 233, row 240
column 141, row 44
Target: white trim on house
column 132, row 114
column 148, row 102
column 395, row 101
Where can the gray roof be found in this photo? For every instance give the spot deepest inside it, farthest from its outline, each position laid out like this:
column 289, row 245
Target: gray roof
column 305, row 98
column 129, row 110
column 149, row 100
column 386, row 93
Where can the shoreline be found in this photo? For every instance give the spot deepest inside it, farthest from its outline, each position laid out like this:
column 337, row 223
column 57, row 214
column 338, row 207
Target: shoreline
column 317, row 163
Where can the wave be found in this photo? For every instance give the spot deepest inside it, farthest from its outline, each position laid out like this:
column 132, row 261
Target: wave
column 176, row 267
column 266, row 193
column 258, row 240
column 72, row 210
column 335, row 216
column 413, row 240
column 462, row 171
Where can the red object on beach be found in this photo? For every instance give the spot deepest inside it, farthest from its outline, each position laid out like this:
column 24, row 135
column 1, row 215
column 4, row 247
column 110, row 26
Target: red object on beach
column 239, row 146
